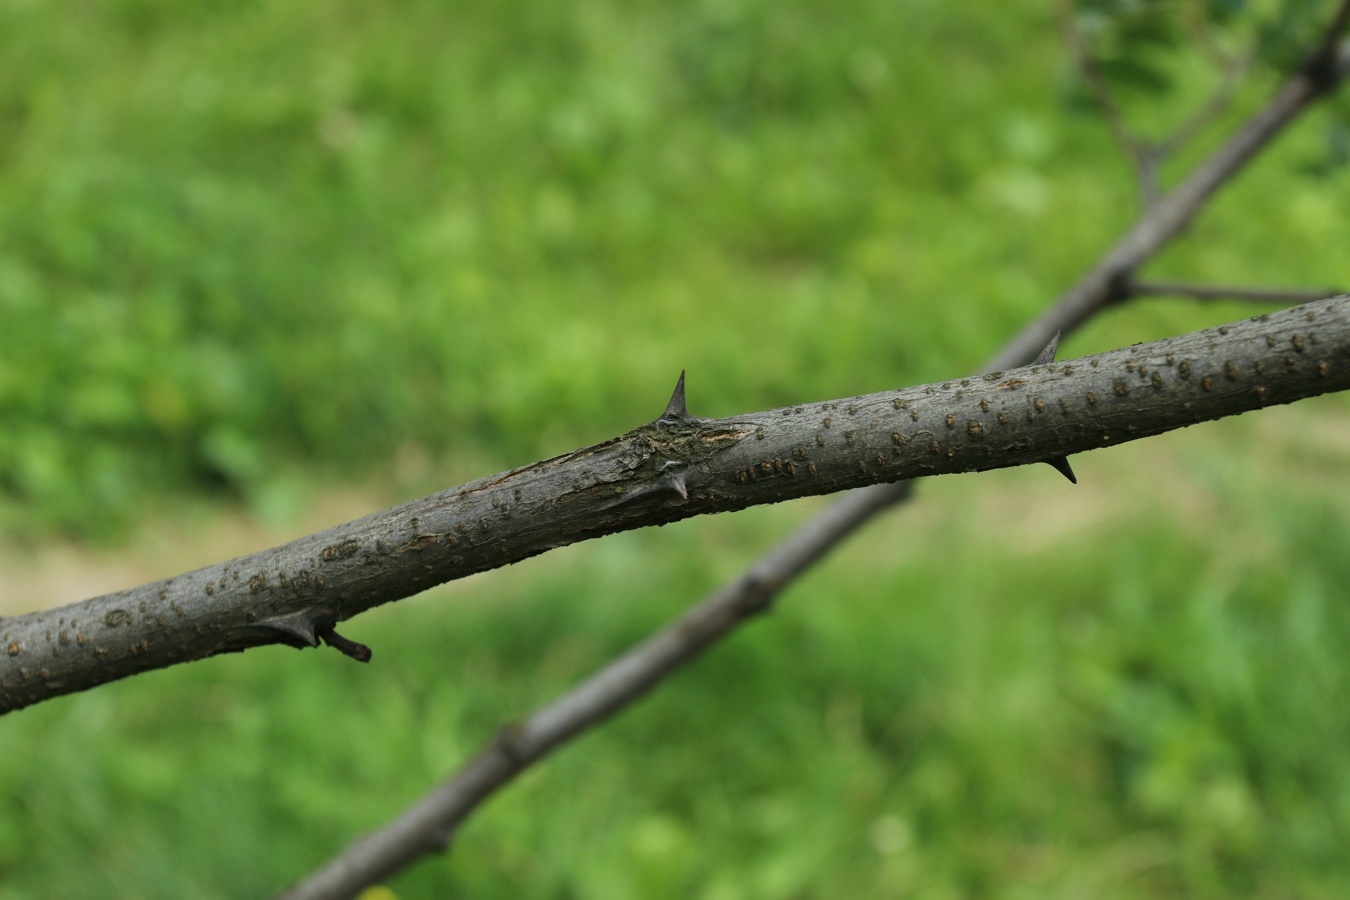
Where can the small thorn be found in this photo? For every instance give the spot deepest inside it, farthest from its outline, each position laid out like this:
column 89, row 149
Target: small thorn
column 676, row 408
column 1061, row 464
column 1048, row 354
column 358, row 652
column 672, row 479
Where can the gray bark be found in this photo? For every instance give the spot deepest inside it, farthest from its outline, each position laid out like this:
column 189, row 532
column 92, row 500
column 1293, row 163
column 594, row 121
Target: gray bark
column 673, row 468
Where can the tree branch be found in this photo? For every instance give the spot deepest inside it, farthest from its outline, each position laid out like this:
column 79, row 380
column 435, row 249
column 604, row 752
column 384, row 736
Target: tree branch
column 1142, row 155
column 1031, row 414
column 1332, row 56
column 427, row 827
column 673, row 468
column 1220, row 292
column 1233, row 73
column 1175, row 210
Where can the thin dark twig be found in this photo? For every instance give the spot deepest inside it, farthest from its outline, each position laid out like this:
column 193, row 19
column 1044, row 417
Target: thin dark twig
column 1142, row 155
column 357, row 651
column 1330, row 53
column 1212, row 109
column 1220, row 292
column 1178, row 207
column 428, row 826
column 1219, row 55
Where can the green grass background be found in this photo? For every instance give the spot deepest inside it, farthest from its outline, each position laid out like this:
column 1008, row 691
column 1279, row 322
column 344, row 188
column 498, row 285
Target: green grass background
column 253, row 253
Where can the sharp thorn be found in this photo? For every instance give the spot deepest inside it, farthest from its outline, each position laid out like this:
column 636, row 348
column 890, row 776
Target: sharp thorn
column 358, row 652
column 1048, row 354
column 676, row 408
column 672, row 478
column 1061, row 464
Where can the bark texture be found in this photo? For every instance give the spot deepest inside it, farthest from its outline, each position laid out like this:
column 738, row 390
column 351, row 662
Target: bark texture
column 672, row 468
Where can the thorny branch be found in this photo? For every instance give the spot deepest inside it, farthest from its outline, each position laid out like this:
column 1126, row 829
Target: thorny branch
column 673, row 468
column 1261, row 346
column 428, row 826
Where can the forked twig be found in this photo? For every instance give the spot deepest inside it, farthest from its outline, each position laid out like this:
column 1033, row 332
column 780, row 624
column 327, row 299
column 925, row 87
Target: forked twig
column 1143, row 155
column 1209, row 111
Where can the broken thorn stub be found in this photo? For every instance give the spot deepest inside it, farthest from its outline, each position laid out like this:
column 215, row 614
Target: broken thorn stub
column 358, row 652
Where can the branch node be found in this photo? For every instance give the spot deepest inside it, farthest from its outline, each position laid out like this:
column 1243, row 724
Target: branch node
column 358, row 652
column 1119, row 288
column 1323, row 66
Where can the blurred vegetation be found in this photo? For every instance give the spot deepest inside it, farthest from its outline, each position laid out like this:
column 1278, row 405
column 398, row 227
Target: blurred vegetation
column 253, row 251
column 243, row 240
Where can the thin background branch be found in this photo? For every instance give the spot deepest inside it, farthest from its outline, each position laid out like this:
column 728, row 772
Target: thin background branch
column 428, row 826
column 1143, row 156
column 1234, row 71
column 1222, row 292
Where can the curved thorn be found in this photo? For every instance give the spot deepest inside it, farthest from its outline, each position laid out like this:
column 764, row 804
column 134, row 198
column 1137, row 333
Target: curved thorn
column 1061, row 464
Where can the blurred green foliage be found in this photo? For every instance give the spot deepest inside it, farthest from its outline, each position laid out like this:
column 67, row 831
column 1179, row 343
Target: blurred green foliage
column 1113, row 702
column 238, row 240
column 1136, row 43
column 250, row 245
